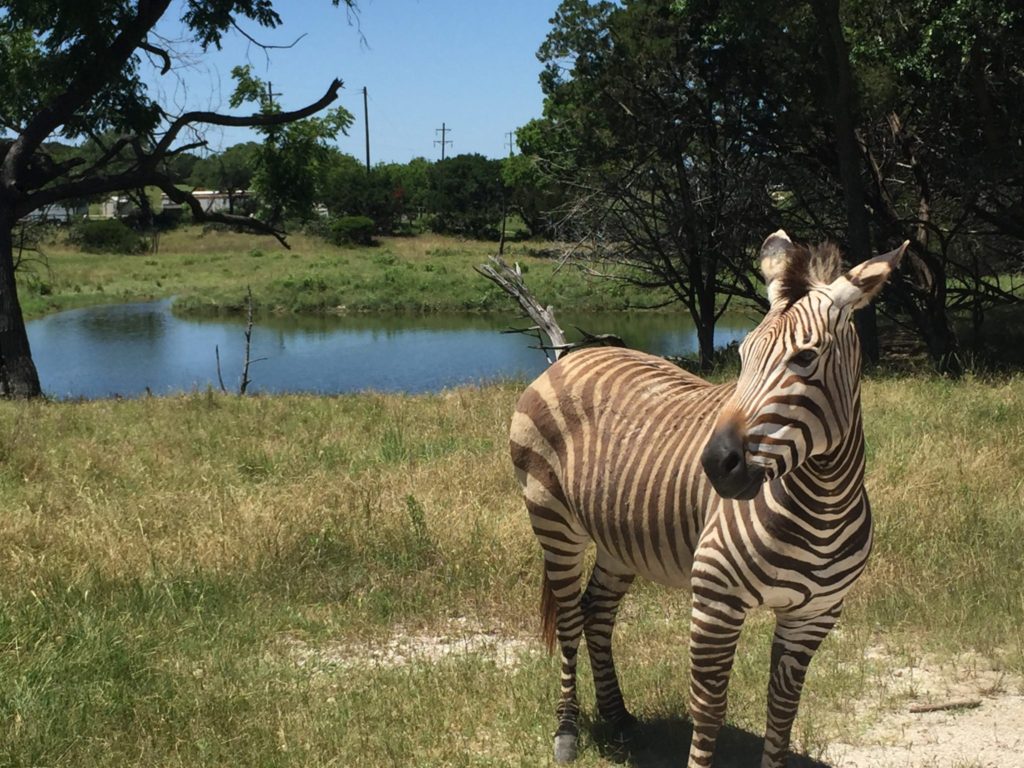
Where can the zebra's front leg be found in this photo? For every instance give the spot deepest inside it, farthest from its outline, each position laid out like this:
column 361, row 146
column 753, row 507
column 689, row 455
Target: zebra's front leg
column 794, row 644
column 715, row 625
column 601, row 600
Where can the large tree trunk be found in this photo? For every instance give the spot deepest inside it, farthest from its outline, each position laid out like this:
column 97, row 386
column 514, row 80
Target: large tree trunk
column 837, row 62
column 706, row 342
column 18, row 377
column 705, row 318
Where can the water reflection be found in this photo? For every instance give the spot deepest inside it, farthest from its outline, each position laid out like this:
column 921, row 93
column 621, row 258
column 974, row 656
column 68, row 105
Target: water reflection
column 126, row 349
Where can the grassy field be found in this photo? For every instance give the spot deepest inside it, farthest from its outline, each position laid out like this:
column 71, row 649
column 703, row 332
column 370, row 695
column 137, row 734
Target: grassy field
column 209, row 272
column 295, row 581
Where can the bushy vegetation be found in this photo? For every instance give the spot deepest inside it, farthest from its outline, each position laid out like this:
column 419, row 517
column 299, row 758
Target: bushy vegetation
column 106, row 236
column 208, row 579
column 352, row 230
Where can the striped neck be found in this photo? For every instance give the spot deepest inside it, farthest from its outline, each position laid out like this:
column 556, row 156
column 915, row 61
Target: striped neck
column 831, row 484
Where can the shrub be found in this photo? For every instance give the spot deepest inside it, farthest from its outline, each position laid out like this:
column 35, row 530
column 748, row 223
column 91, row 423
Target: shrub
column 106, row 236
column 352, row 230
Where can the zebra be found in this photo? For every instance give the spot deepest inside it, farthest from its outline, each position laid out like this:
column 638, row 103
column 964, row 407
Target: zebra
column 750, row 493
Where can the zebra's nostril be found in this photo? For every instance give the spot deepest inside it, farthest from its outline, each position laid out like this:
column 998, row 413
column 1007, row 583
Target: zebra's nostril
column 731, row 462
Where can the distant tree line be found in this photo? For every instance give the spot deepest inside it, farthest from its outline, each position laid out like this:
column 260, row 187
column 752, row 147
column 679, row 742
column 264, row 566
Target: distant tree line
column 682, row 132
column 462, row 195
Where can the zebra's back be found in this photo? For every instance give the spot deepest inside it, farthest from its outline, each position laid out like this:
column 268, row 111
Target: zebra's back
column 606, row 444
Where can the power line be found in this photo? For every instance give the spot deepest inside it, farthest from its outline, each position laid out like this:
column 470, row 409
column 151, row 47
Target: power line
column 444, row 130
column 511, row 143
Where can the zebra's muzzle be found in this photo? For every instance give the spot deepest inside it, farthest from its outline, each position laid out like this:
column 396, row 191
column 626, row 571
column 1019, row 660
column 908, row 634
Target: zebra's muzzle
column 725, row 464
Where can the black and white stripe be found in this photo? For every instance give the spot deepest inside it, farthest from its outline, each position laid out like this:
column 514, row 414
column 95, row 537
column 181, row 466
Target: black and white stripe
column 750, row 493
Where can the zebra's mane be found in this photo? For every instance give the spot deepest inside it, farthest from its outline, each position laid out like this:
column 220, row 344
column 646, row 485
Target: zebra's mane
column 806, row 266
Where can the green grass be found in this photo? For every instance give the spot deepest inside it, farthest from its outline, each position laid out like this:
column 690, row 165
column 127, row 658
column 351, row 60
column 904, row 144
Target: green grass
column 207, row 580
column 208, row 272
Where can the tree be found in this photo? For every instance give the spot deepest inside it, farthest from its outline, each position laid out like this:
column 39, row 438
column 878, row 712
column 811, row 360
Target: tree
column 349, row 190
column 229, row 171
column 70, row 69
column 645, row 129
column 291, row 165
column 531, row 193
column 464, row 196
column 942, row 147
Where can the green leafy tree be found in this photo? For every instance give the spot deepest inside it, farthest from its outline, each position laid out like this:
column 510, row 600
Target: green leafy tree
column 465, row 196
column 350, row 190
column 644, row 129
column 70, row 70
column 291, row 165
column 941, row 126
column 229, row 171
column 897, row 122
column 531, row 193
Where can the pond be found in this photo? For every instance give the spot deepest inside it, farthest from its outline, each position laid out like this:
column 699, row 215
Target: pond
column 130, row 349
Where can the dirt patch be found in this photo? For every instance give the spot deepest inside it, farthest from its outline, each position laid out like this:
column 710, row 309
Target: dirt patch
column 983, row 726
column 457, row 638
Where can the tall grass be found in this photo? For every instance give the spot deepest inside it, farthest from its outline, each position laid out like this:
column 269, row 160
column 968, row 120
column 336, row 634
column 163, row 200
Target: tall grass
column 208, row 580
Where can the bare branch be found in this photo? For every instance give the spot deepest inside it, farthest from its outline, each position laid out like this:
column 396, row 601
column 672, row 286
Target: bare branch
column 511, row 281
column 265, row 46
column 158, row 52
column 182, row 197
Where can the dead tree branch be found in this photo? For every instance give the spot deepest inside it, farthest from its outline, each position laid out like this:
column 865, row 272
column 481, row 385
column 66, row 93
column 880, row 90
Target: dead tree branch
column 510, row 280
column 244, row 383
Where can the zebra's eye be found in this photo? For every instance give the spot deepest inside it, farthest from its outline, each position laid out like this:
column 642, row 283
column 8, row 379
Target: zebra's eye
column 804, row 358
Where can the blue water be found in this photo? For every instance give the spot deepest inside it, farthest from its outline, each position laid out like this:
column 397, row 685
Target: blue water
column 131, row 348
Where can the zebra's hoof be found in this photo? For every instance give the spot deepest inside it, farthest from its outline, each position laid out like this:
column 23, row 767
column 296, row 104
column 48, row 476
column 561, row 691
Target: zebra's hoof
column 625, row 724
column 565, row 748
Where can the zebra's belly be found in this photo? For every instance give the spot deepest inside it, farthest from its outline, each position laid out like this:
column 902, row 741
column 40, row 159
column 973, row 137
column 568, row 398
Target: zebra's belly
column 649, row 546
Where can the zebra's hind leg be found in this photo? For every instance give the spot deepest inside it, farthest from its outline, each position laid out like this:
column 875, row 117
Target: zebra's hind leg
column 794, row 644
column 562, row 619
column 605, row 590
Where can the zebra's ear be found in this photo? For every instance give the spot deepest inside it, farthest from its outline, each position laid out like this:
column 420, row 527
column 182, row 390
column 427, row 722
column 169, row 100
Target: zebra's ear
column 774, row 256
column 861, row 284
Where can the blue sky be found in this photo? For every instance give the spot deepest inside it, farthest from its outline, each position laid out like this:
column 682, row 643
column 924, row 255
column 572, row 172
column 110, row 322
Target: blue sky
column 471, row 65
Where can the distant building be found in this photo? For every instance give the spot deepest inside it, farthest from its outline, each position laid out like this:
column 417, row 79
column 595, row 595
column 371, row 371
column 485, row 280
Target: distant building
column 213, row 201
column 59, row 212
column 116, row 206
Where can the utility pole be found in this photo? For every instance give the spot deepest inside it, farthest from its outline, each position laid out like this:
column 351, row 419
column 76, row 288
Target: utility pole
column 504, row 197
column 444, row 130
column 271, row 94
column 366, row 123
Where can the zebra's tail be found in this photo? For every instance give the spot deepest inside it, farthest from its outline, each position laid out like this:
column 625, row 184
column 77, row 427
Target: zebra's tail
column 548, row 613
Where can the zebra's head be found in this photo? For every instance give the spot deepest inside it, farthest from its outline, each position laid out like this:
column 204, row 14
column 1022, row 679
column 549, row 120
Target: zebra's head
column 799, row 387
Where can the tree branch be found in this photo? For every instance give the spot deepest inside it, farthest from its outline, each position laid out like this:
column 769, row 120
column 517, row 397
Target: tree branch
column 182, row 197
column 265, row 46
column 158, row 52
column 84, row 86
column 251, row 121
column 511, row 281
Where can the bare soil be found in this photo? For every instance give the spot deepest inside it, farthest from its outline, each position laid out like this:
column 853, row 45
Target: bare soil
column 983, row 726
